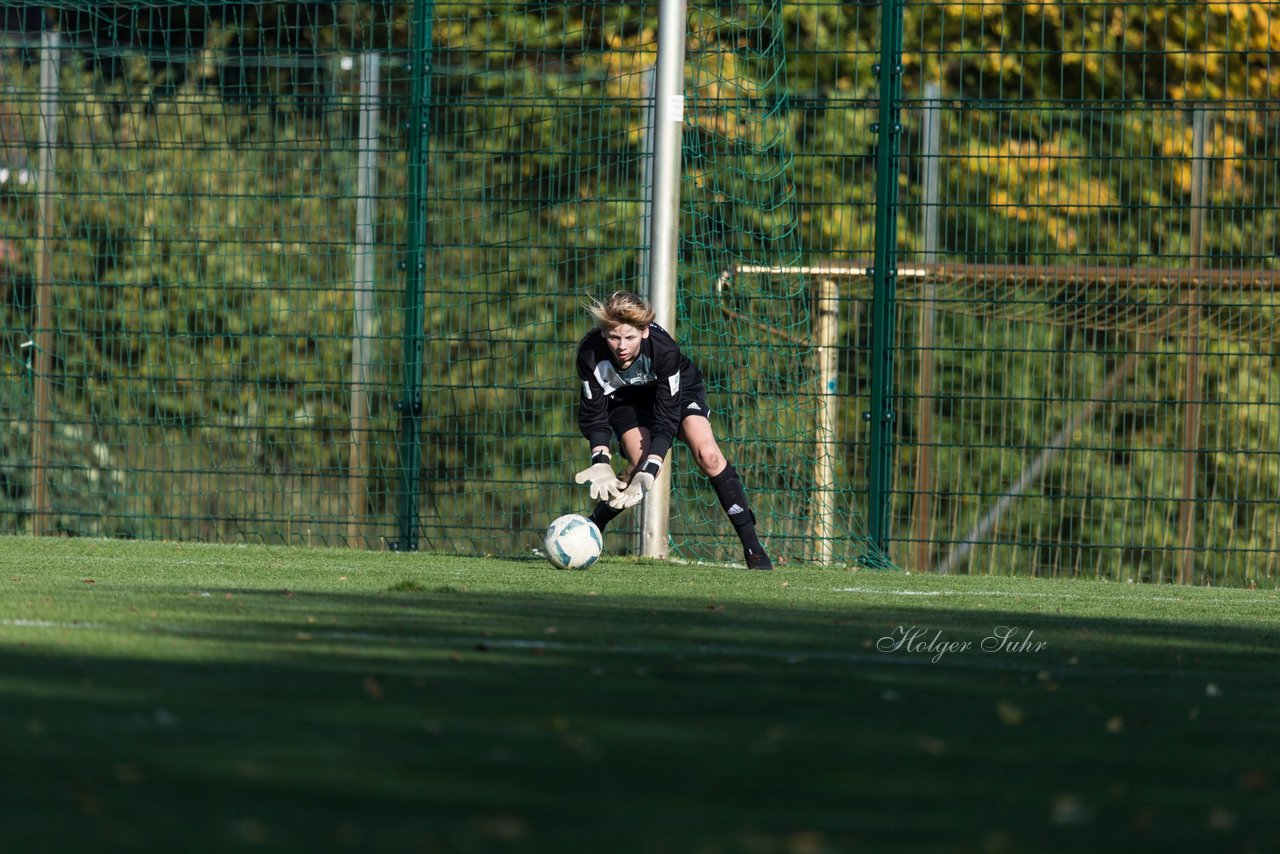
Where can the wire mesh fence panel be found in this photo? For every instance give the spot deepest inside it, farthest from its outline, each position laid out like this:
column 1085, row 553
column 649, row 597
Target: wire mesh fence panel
column 542, row 129
column 762, row 148
column 535, row 206
column 1092, row 346
column 315, row 272
column 225, row 331
column 181, row 262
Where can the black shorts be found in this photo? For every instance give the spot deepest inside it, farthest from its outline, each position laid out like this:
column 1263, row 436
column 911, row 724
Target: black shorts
column 626, row 414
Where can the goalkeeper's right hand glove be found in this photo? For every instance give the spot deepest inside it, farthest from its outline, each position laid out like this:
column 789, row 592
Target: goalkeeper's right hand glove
column 641, row 482
column 605, row 485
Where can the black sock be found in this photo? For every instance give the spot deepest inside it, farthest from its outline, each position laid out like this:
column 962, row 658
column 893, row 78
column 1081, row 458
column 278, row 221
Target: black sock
column 733, row 498
column 603, row 515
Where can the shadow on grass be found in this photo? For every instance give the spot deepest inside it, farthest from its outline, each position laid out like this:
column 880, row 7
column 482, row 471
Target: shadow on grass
column 449, row 720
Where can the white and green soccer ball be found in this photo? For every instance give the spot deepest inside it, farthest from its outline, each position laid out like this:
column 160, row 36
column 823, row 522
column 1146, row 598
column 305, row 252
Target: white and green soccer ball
column 573, row 542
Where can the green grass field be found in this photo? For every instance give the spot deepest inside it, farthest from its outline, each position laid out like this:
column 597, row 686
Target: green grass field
column 206, row 698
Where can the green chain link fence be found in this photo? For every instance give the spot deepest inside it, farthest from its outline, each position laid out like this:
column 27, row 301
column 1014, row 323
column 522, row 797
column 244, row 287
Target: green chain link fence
column 1089, row 381
column 313, row 273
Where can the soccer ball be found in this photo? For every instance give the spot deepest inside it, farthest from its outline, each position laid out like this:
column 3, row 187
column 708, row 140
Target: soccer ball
column 573, row 542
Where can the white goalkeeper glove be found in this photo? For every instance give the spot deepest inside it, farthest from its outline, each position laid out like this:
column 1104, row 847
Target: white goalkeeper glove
column 641, row 482
column 604, row 484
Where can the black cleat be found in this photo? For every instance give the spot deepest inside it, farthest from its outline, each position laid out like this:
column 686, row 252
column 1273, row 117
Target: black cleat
column 758, row 559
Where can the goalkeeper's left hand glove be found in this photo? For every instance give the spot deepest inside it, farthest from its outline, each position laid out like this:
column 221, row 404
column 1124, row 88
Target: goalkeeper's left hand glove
column 641, row 482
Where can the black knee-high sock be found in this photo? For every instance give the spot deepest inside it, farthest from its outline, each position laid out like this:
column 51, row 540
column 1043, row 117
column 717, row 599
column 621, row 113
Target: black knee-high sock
column 603, row 515
column 733, row 498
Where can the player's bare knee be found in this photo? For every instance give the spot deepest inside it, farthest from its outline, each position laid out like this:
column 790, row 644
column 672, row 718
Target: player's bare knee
column 709, row 459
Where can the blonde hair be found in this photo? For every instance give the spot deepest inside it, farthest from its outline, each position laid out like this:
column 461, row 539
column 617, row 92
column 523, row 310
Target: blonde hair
column 622, row 308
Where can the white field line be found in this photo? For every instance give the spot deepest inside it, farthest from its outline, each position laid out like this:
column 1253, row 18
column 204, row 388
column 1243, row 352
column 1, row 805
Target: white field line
column 1111, row 595
column 970, row 659
column 50, row 624
column 876, row 591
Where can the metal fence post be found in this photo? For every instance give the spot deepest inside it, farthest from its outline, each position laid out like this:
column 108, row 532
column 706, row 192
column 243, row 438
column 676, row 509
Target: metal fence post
column 1191, row 403
column 42, row 357
column 888, row 129
column 931, row 133
column 412, row 309
column 363, row 299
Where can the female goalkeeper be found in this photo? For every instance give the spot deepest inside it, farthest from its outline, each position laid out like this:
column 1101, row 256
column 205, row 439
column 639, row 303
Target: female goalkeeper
column 637, row 385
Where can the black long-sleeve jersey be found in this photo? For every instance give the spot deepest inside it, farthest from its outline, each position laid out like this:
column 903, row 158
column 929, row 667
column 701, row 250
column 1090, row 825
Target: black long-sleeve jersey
column 655, row 380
